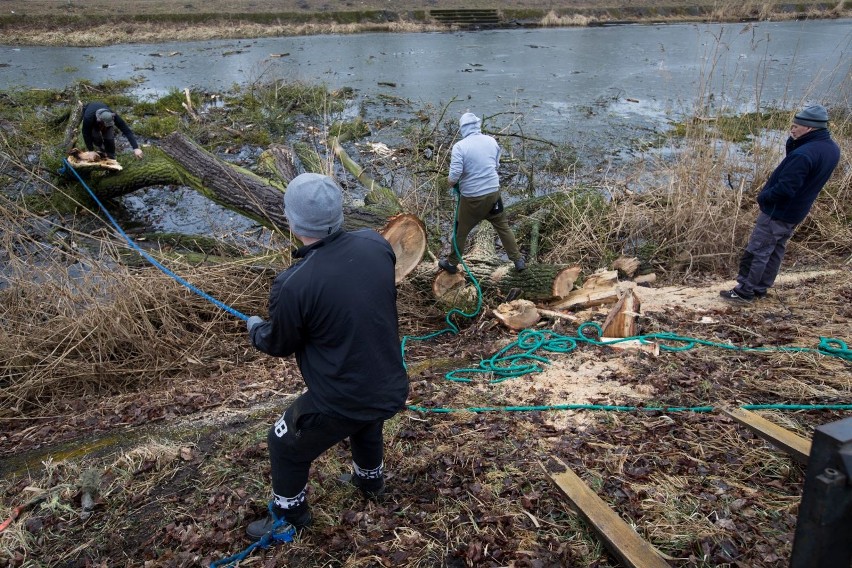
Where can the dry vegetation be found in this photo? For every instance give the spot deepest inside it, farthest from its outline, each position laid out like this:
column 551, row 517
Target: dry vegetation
column 123, row 389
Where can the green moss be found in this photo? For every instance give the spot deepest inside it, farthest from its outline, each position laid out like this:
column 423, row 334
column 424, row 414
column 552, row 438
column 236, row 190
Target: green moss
column 157, row 126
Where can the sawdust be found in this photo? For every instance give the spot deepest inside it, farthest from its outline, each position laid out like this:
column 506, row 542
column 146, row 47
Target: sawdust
column 601, row 376
column 703, row 299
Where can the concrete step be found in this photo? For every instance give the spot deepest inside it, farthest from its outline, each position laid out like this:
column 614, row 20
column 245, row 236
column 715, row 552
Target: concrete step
column 466, row 17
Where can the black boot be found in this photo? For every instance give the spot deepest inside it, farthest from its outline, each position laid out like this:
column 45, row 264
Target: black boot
column 372, row 489
column 298, row 517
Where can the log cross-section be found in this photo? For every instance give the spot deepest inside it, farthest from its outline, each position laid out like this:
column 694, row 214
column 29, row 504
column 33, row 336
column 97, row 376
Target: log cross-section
column 619, row 537
column 799, row 448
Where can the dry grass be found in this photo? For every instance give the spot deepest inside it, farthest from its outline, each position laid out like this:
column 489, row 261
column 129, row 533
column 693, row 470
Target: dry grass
column 76, row 326
column 104, row 22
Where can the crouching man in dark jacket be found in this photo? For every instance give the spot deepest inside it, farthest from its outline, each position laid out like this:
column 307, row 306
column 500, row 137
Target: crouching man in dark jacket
column 335, row 309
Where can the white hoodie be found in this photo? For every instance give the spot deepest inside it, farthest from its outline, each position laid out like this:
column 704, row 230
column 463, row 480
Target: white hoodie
column 474, row 159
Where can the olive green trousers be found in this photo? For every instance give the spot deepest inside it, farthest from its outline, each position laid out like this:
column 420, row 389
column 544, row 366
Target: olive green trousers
column 474, row 210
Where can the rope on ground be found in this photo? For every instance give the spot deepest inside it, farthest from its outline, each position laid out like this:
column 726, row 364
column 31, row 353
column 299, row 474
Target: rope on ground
column 148, row 257
column 281, row 531
column 616, row 408
column 451, row 325
column 521, row 357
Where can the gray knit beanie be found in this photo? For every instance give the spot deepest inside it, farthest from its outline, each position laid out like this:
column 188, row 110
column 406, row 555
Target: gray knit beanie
column 814, row 116
column 106, row 116
column 313, row 204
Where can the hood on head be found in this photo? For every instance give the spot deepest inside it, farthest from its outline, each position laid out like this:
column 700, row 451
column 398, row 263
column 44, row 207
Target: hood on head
column 469, row 124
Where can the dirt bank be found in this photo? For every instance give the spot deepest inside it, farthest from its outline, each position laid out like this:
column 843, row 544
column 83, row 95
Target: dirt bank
column 103, row 22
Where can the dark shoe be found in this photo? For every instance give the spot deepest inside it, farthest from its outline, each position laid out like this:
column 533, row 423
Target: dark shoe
column 298, row 518
column 759, row 295
column 444, row 264
column 520, row 265
column 734, row 296
column 372, row 489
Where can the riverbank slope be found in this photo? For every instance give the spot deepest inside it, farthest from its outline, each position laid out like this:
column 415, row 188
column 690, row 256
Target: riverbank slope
column 108, row 22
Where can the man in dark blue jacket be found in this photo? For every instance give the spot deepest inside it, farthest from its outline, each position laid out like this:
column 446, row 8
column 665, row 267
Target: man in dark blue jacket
column 99, row 124
column 336, row 310
column 785, row 201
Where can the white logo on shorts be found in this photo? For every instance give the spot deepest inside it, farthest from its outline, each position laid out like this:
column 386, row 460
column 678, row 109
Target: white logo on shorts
column 280, row 427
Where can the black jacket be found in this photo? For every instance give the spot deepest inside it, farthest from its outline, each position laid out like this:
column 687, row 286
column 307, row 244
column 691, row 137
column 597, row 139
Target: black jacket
column 90, row 120
column 795, row 184
column 336, row 310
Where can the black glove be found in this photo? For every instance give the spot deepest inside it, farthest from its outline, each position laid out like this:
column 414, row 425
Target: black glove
column 253, row 321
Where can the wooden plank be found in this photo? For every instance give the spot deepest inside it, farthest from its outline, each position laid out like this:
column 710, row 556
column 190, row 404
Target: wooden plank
column 799, row 448
column 618, row 536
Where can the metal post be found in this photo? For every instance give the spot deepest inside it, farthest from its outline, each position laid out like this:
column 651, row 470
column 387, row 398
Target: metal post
column 824, row 527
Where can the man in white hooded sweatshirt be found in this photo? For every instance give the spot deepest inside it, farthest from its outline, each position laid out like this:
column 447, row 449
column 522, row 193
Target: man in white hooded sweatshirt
column 474, row 167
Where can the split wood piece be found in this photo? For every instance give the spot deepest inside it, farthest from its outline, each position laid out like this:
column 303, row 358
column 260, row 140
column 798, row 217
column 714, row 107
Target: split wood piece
column 81, row 160
column 618, row 536
column 646, row 278
column 517, row 314
column 621, row 320
column 598, row 289
column 626, row 265
column 799, row 448
column 633, row 345
column 407, row 235
column 558, row 315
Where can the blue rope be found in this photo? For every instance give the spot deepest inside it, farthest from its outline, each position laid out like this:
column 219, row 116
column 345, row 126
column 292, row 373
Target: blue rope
column 147, row 256
column 281, row 531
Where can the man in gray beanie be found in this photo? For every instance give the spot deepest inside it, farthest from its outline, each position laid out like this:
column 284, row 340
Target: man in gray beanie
column 473, row 166
column 785, row 201
column 99, row 124
column 335, row 309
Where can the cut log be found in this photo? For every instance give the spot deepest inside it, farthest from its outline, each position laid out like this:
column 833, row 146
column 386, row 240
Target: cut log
column 621, row 320
column 538, row 283
column 626, row 265
column 517, row 314
column 646, row 278
column 407, row 235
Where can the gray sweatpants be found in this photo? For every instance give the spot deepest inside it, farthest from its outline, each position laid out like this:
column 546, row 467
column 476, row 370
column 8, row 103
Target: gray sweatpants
column 762, row 257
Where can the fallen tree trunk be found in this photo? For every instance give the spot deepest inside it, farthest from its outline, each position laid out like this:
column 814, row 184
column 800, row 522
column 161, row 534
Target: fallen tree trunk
column 179, row 161
column 538, row 283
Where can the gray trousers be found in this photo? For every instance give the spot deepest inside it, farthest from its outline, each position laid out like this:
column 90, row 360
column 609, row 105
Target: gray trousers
column 762, row 257
column 472, row 211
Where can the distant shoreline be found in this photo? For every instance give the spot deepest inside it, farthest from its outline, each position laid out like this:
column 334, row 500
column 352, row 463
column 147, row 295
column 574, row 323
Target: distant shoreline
column 33, row 25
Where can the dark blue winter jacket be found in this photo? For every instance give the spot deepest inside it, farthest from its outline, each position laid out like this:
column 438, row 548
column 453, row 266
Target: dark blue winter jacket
column 794, row 185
